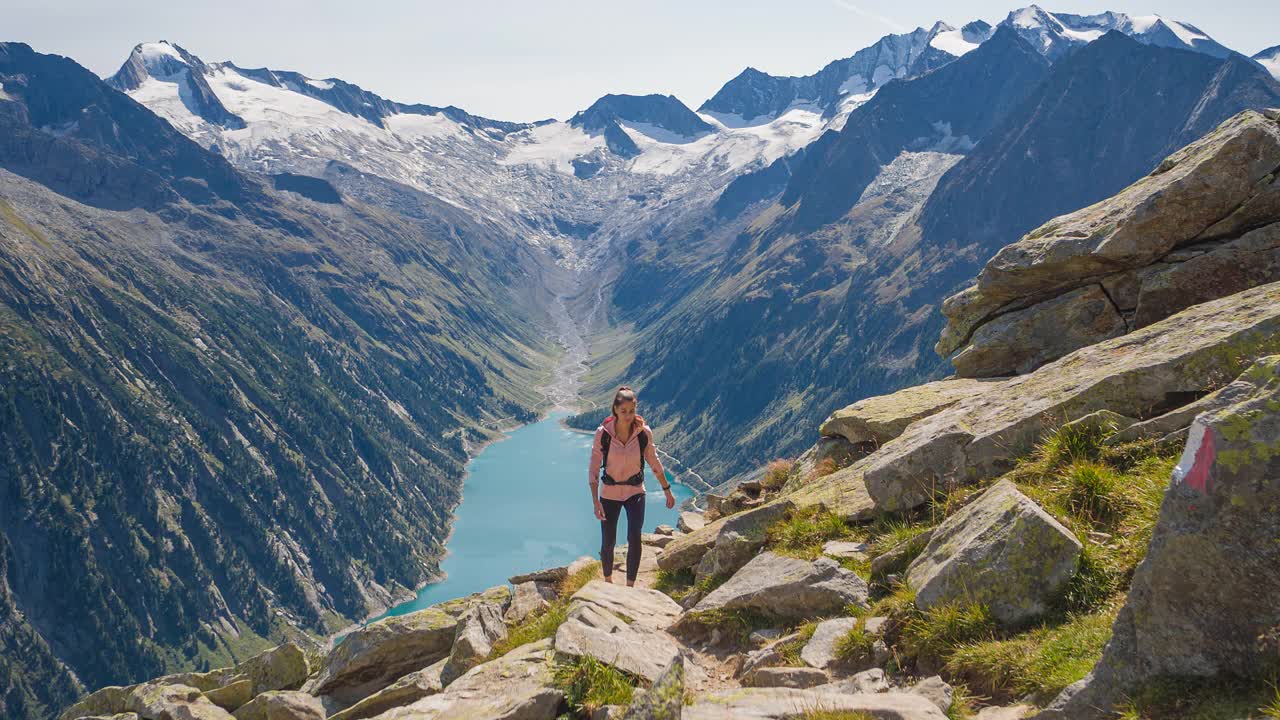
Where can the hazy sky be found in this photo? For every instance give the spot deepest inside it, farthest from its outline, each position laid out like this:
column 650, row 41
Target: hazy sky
column 540, row 58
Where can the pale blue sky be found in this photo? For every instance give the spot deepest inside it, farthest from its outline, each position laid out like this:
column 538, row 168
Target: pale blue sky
column 541, row 58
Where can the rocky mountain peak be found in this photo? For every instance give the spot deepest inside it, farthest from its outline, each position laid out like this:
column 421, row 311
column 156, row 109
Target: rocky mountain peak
column 1270, row 59
column 664, row 112
column 164, row 62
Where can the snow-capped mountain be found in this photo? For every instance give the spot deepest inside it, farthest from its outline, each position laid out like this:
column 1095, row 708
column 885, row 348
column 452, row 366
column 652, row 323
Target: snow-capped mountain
column 1056, row 34
column 1270, row 59
column 756, row 97
column 651, row 154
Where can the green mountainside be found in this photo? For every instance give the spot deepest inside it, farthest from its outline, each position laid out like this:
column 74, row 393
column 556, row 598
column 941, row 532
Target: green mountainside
column 229, row 415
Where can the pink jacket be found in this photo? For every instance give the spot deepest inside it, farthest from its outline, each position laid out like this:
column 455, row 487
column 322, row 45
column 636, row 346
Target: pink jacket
column 624, row 461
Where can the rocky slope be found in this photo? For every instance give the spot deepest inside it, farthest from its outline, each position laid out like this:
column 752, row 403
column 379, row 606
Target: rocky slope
column 232, row 405
column 963, row 543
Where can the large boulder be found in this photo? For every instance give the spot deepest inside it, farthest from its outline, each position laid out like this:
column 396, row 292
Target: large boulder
column 664, row 700
column 1001, row 550
column 478, row 630
column 879, row 419
column 641, row 606
column 1203, row 225
column 1150, row 369
column 516, row 686
column 785, row 588
column 1023, row 340
column 739, row 539
column 374, row 656
column 592, row 631
column 281, row 668
column 406, row 690
column 790, row 704
column 1203, row 601
column 158, row 701
column 1185, row 199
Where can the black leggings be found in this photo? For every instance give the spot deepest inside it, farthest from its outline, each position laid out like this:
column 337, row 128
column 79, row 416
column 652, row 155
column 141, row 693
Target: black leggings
column 609, row 533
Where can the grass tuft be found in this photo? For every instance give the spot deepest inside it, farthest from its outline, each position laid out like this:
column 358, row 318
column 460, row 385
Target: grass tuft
column 803, row 532
column 589, row 684
column 936, row 632
column 776, row 474
column 1041, row 661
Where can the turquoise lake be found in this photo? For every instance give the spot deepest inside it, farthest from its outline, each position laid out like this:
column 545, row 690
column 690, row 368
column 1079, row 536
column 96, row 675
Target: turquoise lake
column 526, row 505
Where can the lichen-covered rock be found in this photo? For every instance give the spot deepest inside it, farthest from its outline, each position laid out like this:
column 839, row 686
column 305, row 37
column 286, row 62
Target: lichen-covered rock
column 1203, row 601
column 516, row 686
column 739, row 539
column 1001, row 550
column 665, row 698
column 1021, row 341
column 281, row 668
column 1204, row 225
column 1196, row 187
column 595, row 632
column 1103, row 422
column 478, row 629
column 642, row 606
column 820, row 651
column 108, row 700
column 787, row 677
column 789, row 704
column 282, row 705
column 374, row 656
column 232, row 695
column 880, row 419
column 979, row 437
column 529, row 597
column 785, row 588
column 406, row 690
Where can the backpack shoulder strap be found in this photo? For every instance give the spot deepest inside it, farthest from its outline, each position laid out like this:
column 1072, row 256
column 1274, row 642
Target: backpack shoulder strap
column 644, row 445
column 604, row 452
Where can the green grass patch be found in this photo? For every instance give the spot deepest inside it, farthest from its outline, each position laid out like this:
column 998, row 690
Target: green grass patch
column 855, row 644
column 676, row 584
column 803, row 532
column 790, row 650
column 533, row 628
column 1041, row 661
column 576, row 581
column 589, row 684
column 938, row 631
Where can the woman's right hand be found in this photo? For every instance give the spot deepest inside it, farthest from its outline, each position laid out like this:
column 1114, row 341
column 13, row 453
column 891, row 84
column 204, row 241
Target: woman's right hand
column 599, row 511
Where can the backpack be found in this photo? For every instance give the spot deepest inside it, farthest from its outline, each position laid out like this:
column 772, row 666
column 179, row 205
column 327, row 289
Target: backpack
column 605, row 440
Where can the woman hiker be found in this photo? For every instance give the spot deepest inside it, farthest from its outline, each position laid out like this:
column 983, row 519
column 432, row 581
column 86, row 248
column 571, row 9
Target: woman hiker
column 622, row 444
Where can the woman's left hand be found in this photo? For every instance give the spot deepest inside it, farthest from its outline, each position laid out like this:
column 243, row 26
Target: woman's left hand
column 671, row 499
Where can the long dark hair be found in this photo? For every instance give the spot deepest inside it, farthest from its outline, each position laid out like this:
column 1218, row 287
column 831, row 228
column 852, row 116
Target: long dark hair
column 624, row 394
